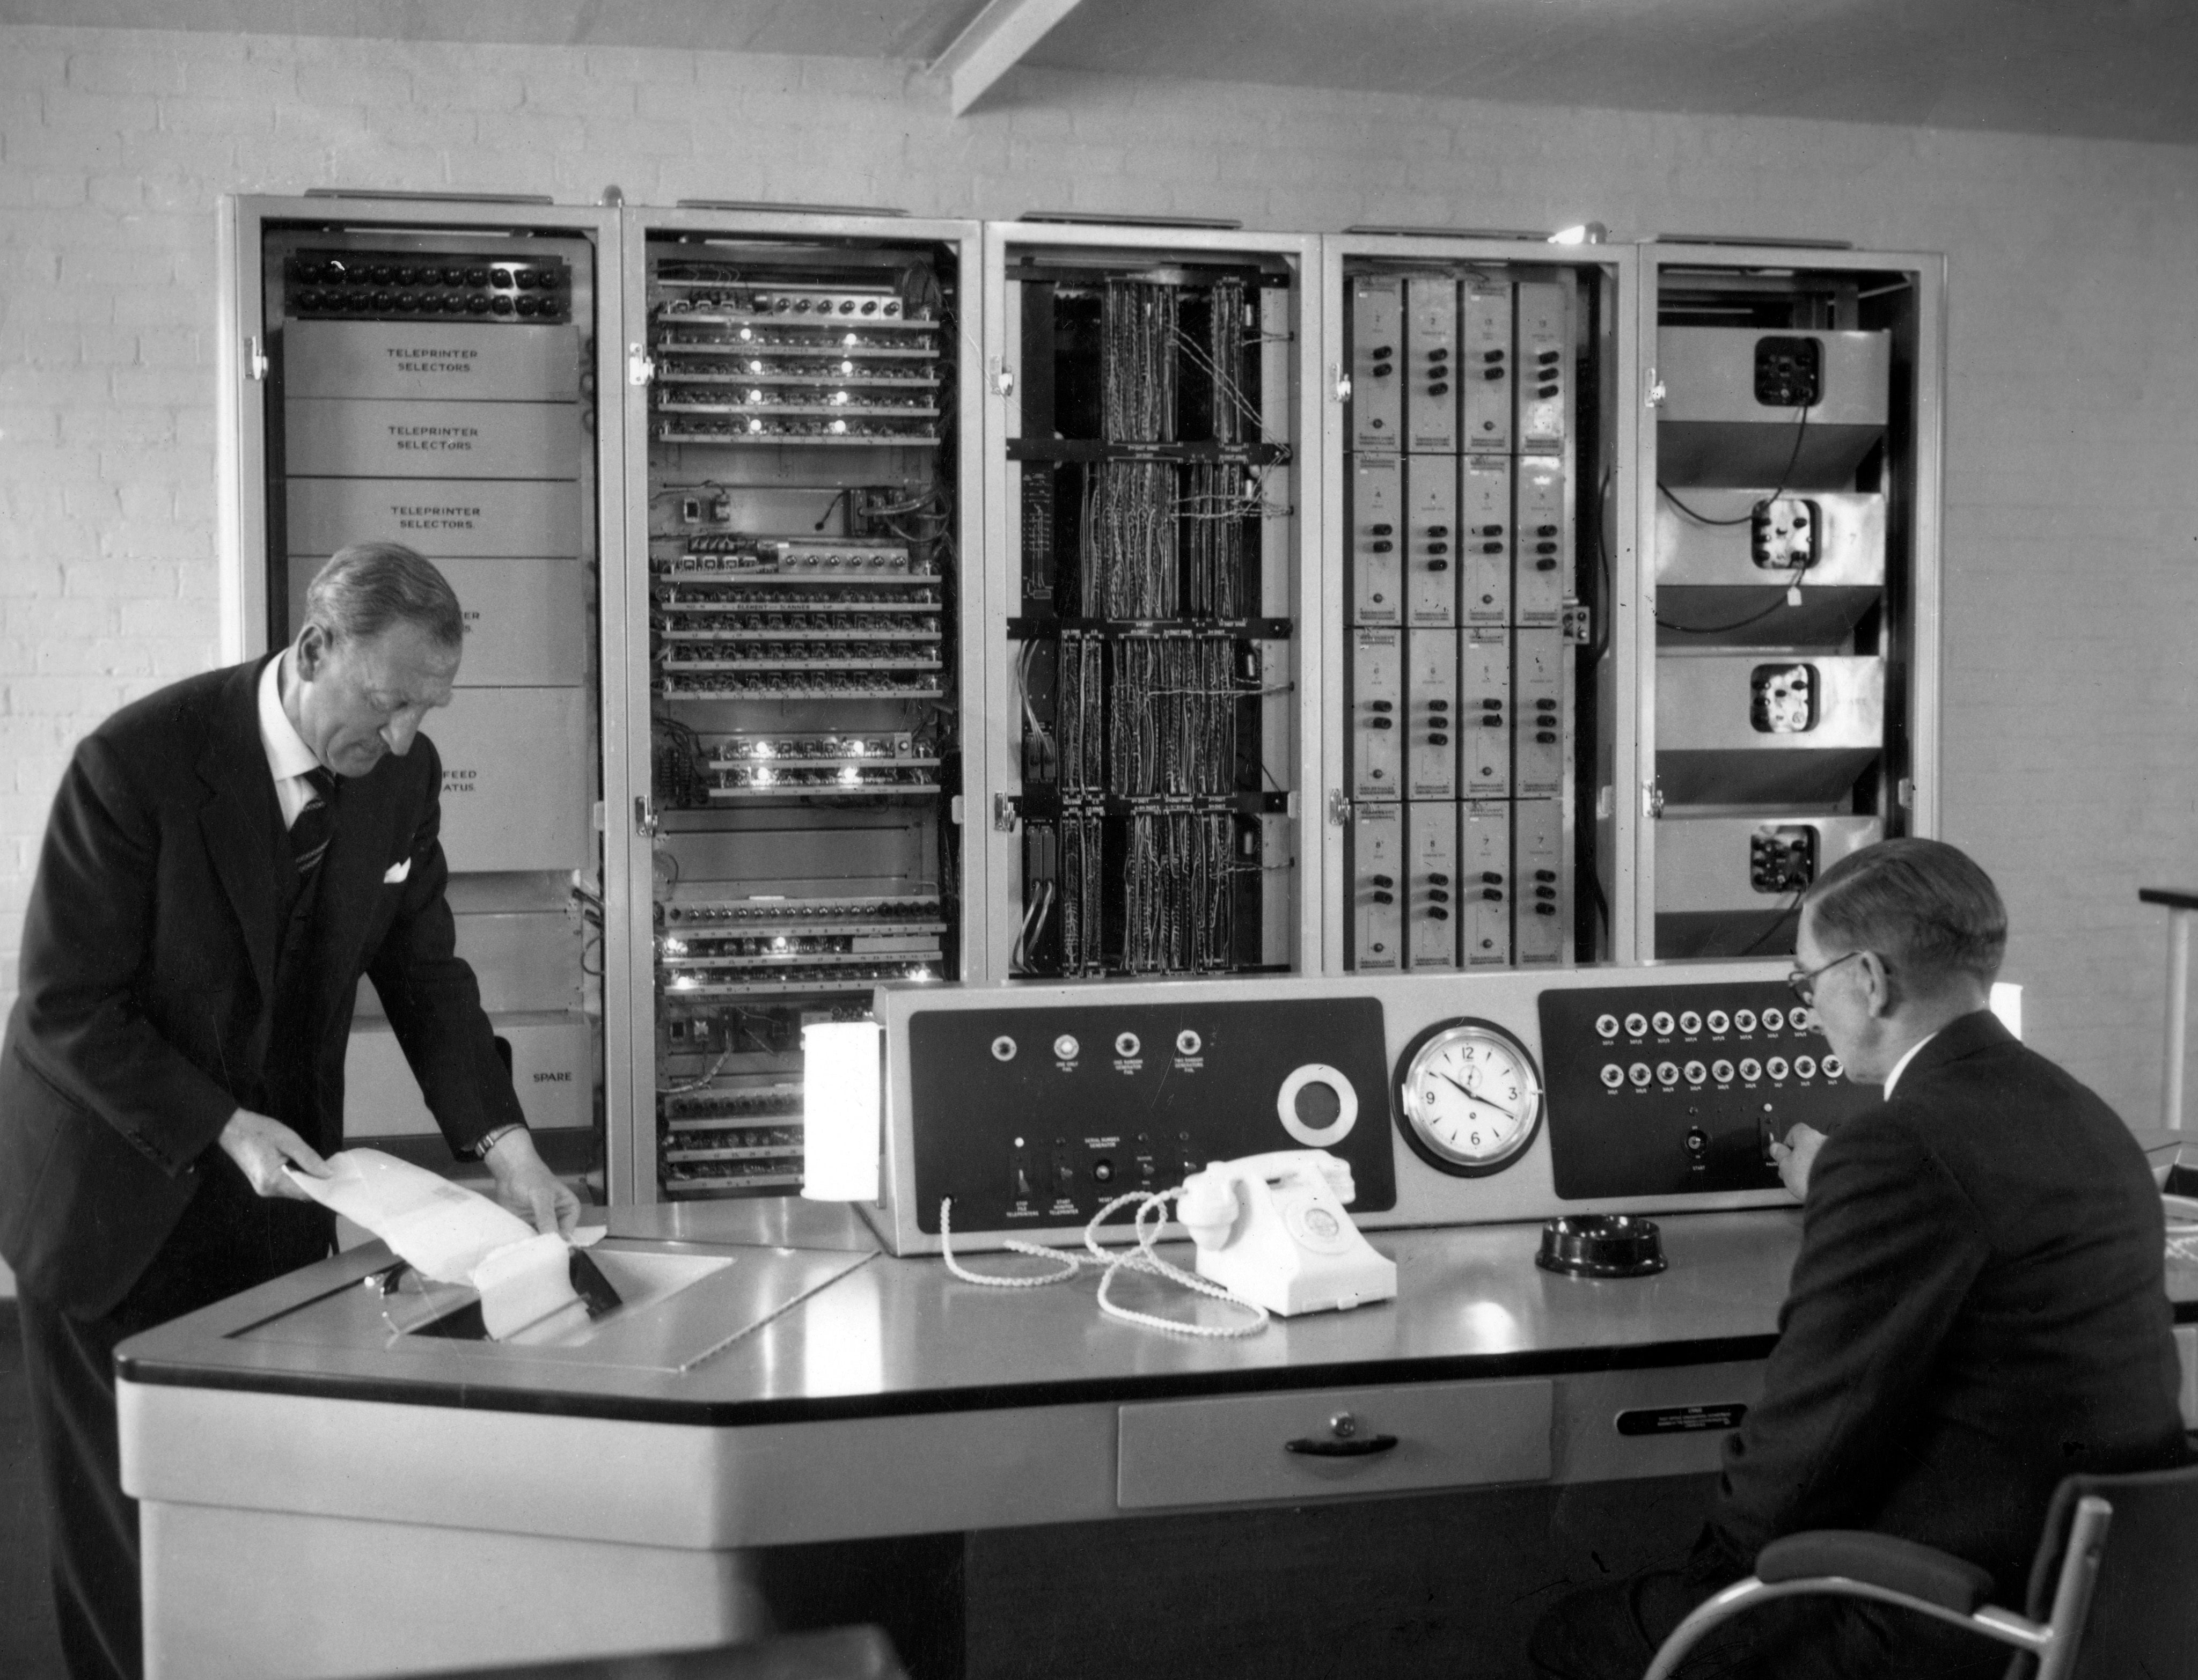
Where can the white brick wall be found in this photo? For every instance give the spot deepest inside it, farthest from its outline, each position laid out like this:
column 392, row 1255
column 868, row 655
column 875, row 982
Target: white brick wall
column 2072, row 690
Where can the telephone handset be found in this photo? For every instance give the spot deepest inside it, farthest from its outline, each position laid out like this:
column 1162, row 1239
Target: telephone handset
column 1272, row 1229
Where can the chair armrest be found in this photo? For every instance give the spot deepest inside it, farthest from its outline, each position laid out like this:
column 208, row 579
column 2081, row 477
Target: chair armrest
column 1881, row 1560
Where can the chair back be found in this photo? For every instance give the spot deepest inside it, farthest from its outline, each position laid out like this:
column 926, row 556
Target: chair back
column 2143, row 1616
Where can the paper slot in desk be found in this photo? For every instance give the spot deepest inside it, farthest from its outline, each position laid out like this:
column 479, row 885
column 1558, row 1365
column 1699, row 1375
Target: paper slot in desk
column 678, row 1308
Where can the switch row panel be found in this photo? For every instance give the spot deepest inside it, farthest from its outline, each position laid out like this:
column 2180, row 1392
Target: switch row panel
column 1439, row 714
column 1440, row 885
column 1441, row 541
column 1442, row 363
column 1667, row 1090
column 1050, row 1112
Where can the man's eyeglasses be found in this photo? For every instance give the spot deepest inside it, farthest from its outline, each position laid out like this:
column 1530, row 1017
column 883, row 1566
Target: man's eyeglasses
column 1803, row 981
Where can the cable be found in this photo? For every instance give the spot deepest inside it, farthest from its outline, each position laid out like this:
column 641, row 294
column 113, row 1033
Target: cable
column 1794, row 460
column 1144, row 1260
column 1778, row 921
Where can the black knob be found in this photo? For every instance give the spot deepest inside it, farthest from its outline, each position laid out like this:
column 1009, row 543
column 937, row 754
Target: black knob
column 1439, row 354
column 1382, row 369
column 1545, row 875
column 1438, row 740
column 1379, row 547
column 1438, row 548
column 1546, row 391
column 1492, row 531
column 1385, row 898
column 1545, row 566
column 1382, row 530
column 1379, row 723
column 1493, row 356
column 1438, row 565
column 1438, row 915
column 1546, row 737
column 1438, row 389
column 1382, row 705
column 1383, row 352
column 1437, row 880
column 1545, row 910
column 1493, row 374
column 1438, row 531
column 1491, row 548
column 1494, row 877
column 1494, row 895
column 1437, row 705
column 1545, row 530
column 1548, row 357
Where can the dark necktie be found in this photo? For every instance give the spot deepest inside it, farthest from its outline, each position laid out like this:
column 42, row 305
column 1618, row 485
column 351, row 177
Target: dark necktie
column 309, row 835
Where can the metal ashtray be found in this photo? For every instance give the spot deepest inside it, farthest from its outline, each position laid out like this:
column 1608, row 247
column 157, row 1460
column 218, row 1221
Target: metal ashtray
column 1601, row 1245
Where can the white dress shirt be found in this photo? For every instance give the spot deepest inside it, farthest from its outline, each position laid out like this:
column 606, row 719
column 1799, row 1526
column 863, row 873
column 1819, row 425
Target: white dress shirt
column 288, row 758
column 1901, row 1066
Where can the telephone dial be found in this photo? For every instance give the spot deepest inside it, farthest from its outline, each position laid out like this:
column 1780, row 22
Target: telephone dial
column 1272, row 1229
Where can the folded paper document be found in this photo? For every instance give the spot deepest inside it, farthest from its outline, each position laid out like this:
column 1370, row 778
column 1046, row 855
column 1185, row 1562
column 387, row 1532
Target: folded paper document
column 451, row 1235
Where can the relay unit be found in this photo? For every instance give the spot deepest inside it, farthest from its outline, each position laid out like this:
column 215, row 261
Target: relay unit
column 1782, row 580
column 1151, row 629
column 805, row 713
column 1463, row 586
column 429, row 387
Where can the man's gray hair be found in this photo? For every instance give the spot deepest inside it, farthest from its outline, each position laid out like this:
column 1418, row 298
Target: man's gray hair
column 366, row 587
column 1921, row 904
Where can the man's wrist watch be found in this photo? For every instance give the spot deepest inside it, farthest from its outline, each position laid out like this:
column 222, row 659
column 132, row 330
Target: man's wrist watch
column 495, row 1136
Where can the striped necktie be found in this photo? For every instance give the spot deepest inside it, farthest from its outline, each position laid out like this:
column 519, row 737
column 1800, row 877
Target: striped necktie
column 310, row 832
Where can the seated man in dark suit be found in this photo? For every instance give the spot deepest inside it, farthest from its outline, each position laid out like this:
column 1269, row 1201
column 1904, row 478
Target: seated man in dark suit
column 224, row 859
column 1977, row 1310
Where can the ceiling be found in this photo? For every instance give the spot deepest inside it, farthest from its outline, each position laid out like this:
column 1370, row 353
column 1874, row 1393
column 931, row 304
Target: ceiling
column 2122, row 69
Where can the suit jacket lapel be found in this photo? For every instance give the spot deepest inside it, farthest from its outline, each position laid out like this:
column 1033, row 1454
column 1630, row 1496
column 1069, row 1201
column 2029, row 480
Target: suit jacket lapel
column 243, row 822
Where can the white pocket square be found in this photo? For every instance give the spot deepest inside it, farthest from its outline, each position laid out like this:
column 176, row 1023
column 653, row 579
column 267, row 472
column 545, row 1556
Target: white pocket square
column 396, row 872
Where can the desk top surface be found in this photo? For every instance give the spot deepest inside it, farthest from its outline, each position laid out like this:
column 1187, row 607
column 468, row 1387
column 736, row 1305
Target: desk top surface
column 803, row 1320
column 790, row 1334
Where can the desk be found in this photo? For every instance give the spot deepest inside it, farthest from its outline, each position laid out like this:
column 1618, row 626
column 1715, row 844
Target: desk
column 609, row 1497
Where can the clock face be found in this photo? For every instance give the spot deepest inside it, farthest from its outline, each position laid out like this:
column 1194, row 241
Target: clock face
column 1470, row 1097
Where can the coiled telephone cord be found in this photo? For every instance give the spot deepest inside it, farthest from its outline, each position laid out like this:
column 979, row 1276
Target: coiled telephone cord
column 1143, row 1259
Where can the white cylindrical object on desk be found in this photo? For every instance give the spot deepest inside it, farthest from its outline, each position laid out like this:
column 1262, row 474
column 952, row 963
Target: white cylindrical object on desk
column 839, row 1099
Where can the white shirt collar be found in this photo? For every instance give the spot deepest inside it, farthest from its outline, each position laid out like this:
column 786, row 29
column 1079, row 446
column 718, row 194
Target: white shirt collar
column 1901, row 1066
column 288, row 758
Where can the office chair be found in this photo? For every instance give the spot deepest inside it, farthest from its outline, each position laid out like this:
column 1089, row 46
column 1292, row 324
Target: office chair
column 2097, row 1611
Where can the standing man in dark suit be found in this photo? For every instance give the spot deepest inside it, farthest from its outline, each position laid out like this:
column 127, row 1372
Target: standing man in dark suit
column 1977, row 1310
column 224, row 859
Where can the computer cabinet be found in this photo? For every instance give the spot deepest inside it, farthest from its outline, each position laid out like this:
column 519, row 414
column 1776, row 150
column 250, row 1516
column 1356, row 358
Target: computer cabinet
column 854, row 598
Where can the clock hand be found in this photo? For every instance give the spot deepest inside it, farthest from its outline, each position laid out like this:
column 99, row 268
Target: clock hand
column 1446, row 1079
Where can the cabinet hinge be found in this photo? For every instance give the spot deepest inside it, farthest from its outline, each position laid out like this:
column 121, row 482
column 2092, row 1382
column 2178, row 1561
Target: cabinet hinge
column 1339, row 809
column 639, row 369
column 255, row 360
column 644, row 817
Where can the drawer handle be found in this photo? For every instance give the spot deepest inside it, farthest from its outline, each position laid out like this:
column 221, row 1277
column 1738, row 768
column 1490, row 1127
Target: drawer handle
column 1362, row 1447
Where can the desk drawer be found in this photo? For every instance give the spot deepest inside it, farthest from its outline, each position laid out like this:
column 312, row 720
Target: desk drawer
column 1236, row 1449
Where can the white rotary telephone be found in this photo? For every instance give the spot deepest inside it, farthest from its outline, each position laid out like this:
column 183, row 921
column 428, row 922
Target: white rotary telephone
column 1272, row 1229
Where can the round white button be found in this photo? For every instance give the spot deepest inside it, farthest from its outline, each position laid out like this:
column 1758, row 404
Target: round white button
column 1606, row 1025
column 1805, row 1068
column 1773, row 1020
column 1832, row 1067
column 1004, row 1048
column 1750, row 1069
column 1667, row 1074
column 1321, row 1085
column 1744, row 1020
column 1718, row 1021
column 1614, row 1076
column 1689, row 1023
column 1641, row 1073
column 1721, row 1071
column 1663, row 1023
column 1188, row 1043
column 1775, row 1067
column 1067, row 1048
column 1126, row 1044
column 1637, row 1024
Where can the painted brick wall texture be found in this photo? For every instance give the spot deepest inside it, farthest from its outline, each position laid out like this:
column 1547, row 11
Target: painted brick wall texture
column 2072, row 515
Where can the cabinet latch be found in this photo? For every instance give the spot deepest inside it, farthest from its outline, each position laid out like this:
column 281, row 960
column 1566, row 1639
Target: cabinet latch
column 639, row 369
column 644, row 817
